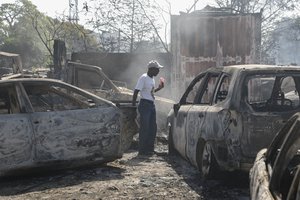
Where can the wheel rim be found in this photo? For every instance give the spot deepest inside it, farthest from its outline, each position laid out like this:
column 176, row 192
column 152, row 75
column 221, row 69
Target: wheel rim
column 206, row 159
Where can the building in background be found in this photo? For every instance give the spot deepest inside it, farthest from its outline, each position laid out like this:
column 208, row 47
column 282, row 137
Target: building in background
column 287, row 37
column 211, row 38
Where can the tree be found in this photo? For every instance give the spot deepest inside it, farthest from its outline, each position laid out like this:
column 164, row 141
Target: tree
column 18, row 35
column 9, row 15
column 79, row 39
column 27, row 31
column 133, row 21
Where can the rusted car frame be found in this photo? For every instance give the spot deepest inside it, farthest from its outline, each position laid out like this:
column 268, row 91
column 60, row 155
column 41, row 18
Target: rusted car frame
column 228, row 114
column 45, row 121
column 276, row 170
column 93, row 79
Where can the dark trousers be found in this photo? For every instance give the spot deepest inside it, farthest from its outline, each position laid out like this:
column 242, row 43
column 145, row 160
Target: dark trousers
column 148, row 128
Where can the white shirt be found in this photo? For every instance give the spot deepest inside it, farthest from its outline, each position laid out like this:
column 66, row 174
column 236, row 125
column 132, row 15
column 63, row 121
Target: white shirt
column 145, row 85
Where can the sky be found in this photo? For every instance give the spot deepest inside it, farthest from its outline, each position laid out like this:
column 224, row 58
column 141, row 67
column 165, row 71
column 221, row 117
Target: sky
column 55, row 7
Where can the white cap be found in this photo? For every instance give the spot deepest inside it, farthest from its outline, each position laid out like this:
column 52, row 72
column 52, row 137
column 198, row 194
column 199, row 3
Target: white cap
column 154, row 64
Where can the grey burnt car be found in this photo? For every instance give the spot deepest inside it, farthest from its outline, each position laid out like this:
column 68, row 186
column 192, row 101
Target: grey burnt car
column 227, row 115
column 93, row 79
column 44, row 122
column 276, row 170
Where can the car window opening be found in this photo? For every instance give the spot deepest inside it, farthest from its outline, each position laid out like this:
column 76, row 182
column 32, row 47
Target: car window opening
column 272, row 93
column 52, row 98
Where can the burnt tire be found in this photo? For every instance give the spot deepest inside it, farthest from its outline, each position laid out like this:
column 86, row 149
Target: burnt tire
column 171, row 148
column 206, row 161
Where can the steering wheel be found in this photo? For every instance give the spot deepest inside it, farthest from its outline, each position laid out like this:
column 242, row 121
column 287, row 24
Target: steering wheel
column 286, row 102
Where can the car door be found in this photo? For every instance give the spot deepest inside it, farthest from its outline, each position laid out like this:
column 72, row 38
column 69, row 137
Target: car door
column 93, row 79
column 68, row 126
column 197, row 114
column 16, row 134
column 272, row 102
column 181, row 115
column 283, row 161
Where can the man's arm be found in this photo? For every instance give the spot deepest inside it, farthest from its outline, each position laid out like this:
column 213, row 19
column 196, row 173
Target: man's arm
column 134, row 97
column 160, row 86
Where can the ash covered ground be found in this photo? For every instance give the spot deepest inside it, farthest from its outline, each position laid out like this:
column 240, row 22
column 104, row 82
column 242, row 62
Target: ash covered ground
column 132, row 177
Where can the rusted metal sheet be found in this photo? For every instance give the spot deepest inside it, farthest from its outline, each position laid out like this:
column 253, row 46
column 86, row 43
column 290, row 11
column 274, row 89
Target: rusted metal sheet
column 200, row 41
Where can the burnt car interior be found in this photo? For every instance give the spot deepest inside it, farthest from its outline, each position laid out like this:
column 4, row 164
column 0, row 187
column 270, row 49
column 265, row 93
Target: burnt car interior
column 90, row 80
column 8, row 100
column 202, row 89
column 45, row 98
column 283, row 161
column 272, row 92
column 222, row 91
column 88, row 77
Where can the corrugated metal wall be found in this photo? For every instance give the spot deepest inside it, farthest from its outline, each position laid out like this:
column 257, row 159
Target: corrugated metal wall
column 203, row 40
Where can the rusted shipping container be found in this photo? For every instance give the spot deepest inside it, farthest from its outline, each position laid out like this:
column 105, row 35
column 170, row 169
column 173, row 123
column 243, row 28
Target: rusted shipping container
column 207, row 38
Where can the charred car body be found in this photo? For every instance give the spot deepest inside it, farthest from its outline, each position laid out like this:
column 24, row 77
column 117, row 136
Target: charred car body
column 93, row 79
column 276, row 170
column 13, row 69
column 44, row 121
column 228, row 114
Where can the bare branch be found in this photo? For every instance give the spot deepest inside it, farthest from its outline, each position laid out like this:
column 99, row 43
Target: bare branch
column 154, row 27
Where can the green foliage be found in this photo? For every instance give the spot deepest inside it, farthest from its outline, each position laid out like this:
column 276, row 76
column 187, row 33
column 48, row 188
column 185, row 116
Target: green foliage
column 17, row 34
column 27, row 31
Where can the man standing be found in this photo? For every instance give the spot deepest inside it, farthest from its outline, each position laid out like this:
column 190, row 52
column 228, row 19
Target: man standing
column 146, row 86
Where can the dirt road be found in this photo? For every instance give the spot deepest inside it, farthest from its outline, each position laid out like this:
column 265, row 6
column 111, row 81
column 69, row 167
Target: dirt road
column 131, row 177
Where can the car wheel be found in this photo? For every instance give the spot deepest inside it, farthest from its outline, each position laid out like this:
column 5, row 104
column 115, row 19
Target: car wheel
column 171, row 148
column 205, row 160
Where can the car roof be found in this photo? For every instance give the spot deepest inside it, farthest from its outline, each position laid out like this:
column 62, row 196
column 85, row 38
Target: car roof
column 258, row 67
column 253, row 67
column 54, row 81
column 13, row 80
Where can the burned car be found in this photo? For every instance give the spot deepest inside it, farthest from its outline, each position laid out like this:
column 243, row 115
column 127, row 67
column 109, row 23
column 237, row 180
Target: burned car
column 276, row 170
column 226, row 115
column 93, row 79
column 45, row 121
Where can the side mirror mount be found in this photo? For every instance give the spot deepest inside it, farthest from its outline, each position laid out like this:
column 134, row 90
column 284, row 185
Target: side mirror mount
column 176, row 108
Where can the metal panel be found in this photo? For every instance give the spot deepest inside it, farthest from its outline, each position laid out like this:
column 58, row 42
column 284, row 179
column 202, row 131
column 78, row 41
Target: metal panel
column 202, row 41
column 16, row 141
column 77, row 134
